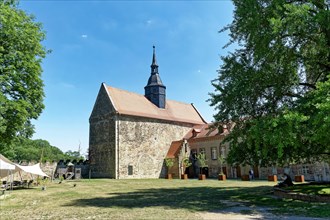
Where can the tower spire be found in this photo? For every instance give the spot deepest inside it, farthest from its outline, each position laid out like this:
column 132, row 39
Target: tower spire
column 155, row 90
column 154, row 66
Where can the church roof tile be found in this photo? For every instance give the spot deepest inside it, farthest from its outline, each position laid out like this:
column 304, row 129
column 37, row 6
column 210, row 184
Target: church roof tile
column 129, row 103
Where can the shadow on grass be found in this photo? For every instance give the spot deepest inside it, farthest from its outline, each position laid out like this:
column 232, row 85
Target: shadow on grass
column 209, row 199
column 192, row 198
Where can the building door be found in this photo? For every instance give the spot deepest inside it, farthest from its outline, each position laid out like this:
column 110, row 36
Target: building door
column 238, row 171
column 77, row 173
column 224, row 170
column 256, row 171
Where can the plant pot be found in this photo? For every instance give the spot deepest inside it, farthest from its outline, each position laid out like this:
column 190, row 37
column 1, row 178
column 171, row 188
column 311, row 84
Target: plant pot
column 184, row 176
column 169, row 176
column 299, row 178
column 222, row 177
column 272, row 178
column 202, row 177
column 245, row 178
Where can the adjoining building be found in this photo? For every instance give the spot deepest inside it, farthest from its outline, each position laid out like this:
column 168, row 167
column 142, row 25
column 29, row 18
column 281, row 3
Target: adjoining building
column 208, row 139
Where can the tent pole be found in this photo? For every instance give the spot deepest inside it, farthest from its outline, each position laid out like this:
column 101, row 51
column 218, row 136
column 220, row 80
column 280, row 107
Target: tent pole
column 20, row 175
column 11, row 182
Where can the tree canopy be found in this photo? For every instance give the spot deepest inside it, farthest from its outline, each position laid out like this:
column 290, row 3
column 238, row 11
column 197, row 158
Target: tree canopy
column 24, row 149
column 21, row 86
column 275, row 85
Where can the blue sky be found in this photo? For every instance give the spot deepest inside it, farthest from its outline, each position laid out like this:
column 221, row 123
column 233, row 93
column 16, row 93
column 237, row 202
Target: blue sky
column 111, row 41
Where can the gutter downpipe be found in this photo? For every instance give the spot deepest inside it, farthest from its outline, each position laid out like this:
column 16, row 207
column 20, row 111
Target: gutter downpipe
column 117, row 146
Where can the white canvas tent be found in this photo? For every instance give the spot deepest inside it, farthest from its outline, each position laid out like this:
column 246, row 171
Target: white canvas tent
column 5, row 168
column 34, row 169
column 5, row 164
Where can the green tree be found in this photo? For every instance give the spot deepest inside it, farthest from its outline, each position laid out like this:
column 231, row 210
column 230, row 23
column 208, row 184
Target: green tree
column 21, row 86
column 202, row 161
column 24, row 149
column 275, row 86
column 73, row 155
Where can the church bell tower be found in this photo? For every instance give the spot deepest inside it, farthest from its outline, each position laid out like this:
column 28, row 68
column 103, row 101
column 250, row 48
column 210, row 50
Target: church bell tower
column 155, row 91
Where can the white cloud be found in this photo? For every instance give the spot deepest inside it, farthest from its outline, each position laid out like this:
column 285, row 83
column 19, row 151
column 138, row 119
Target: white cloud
column 149, row 22
column 84, row 36
column 67, row 85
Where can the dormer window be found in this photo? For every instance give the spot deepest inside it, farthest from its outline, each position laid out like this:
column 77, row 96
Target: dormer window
column 195, row 132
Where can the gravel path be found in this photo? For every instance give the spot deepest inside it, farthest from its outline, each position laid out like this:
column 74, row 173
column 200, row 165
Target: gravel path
column 238, row 211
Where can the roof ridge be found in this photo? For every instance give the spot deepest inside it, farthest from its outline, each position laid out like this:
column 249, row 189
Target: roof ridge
column 171, row 100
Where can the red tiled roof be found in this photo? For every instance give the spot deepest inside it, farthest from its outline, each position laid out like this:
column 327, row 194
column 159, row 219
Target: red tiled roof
column 129, row 103
column 206, row 131
column 174, row 149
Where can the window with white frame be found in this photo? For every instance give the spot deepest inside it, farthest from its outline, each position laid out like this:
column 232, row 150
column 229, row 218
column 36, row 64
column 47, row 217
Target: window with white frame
column 305, row 169
column 222, row 150
column 214, row 153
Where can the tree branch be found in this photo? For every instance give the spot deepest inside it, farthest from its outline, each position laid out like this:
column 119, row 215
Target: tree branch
column 290, row 94
column 308, row 85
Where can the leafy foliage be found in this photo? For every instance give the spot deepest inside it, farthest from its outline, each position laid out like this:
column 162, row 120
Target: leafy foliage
column 21, row 86
column 169, row 162
column 221, row 159
column 23, row 149
column 186, row 162
column 202, row 161
column 275, row 86
column 73, row 155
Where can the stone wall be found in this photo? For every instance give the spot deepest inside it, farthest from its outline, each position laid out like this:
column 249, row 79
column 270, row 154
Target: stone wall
column 62, row 168
column 52, row 169
column 102, row 137
column 143, row 145
column 319, row 171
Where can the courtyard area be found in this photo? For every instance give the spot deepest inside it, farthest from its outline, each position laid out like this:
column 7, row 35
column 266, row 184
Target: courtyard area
column 155, row 199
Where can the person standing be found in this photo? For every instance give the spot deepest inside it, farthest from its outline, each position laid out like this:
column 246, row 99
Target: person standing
column 251, row 174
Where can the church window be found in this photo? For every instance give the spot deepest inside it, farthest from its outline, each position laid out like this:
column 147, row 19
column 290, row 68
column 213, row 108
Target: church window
column 130, row 170
column 213, row 153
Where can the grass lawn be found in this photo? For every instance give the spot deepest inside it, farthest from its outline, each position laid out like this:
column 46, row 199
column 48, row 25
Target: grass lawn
column 146, row 199
column 311, row 189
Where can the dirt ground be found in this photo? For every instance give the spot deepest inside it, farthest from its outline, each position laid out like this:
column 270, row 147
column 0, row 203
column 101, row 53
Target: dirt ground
column 238, row 211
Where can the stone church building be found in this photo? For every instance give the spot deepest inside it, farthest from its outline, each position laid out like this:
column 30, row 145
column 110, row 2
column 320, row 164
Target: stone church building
column 130, row 134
